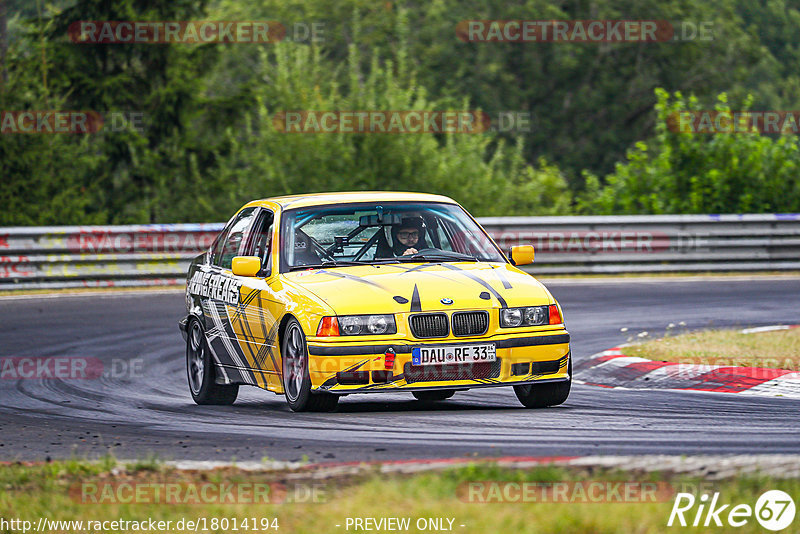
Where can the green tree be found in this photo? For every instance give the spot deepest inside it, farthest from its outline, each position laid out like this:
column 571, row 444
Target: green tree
column 46, row 178
column 699, row 173
column 589, row 102
column 485, row 174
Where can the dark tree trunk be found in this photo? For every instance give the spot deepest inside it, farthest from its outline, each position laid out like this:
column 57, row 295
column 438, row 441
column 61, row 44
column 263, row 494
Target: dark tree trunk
column 3, row 44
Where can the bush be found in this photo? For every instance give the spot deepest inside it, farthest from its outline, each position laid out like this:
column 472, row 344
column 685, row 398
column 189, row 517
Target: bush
column 699, row 173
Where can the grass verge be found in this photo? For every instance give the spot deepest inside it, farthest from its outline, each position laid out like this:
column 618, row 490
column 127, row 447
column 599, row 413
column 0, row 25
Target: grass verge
column 779, row 349
column 58, row 491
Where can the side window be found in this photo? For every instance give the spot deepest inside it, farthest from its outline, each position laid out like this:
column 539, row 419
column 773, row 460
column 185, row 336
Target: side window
column 217, row 246
column 261, row 242
column 236, row 233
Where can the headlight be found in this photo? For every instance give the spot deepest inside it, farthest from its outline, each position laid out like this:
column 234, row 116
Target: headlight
column 536, row 315
column 511, row 317
column 529, row 316
column 378, row 324
column 350, row 325
column 357, row 325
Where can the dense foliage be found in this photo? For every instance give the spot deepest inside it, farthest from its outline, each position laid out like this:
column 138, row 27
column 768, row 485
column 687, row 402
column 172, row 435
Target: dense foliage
column 598, row 141
column 699, row 173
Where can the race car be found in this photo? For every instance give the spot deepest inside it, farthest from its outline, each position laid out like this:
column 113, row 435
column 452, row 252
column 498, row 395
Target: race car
column 319, row 296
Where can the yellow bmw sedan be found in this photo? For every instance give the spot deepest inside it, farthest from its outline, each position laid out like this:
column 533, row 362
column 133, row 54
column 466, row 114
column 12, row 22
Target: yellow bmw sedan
column 319, row 296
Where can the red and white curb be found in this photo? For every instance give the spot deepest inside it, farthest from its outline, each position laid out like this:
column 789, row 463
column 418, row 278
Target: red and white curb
column 613, row 369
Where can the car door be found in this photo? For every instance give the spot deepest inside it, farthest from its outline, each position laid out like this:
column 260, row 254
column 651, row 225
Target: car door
column 223, row 299
column 255, row 320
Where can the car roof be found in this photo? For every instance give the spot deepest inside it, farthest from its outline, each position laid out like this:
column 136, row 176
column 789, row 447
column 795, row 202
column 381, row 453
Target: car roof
column 348, row 197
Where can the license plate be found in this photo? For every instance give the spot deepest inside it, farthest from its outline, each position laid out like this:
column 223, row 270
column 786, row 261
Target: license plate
column 453, row 354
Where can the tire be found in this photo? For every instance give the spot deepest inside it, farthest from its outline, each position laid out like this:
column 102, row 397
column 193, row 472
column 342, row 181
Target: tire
column 296, row 380
column 201, row 373
column 544, row 395
column 435, row 395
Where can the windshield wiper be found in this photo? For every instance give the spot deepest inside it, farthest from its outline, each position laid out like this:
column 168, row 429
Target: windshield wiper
column 338, row 263
column 455, row 256
column 383, row 260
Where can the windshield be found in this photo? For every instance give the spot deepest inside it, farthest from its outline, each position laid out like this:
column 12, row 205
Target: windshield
column 380, row 233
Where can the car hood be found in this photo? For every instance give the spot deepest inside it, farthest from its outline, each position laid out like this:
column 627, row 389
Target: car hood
column 409, row 287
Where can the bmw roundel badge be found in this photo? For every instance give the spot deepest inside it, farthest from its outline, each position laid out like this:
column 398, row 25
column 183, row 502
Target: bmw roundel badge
column 446, row 301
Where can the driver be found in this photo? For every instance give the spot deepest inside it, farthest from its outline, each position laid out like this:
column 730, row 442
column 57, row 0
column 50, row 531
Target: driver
column 408, row 236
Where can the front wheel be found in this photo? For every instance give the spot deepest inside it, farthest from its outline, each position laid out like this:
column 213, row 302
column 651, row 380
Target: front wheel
column 296, row 380
column 435, row 395
column 543, row 395
column 200, row 371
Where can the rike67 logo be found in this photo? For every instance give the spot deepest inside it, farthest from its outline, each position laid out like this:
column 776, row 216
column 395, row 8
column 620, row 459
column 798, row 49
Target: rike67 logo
column 774, row 510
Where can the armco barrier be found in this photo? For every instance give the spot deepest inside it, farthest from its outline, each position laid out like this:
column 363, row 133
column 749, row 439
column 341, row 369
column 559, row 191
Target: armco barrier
column 158, row 254
column 654, row 244
column 100, row 256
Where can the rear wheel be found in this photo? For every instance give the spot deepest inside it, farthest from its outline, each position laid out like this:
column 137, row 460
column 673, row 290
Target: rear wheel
column 296, row 380
column 201, row 372
column 435, row 395
column 543, row 395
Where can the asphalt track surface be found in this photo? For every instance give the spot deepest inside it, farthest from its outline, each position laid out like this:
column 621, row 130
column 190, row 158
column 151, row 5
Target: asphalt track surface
column 151, row 413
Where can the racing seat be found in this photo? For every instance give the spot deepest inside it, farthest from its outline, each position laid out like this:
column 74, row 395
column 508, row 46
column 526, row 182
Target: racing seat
column 383, row 249
column 304, row 253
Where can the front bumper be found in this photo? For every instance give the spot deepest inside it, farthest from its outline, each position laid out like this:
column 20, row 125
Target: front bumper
column 349, row 367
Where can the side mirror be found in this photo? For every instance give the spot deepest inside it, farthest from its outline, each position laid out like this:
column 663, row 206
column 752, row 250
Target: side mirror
column 246, row 265
column 521, row 255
